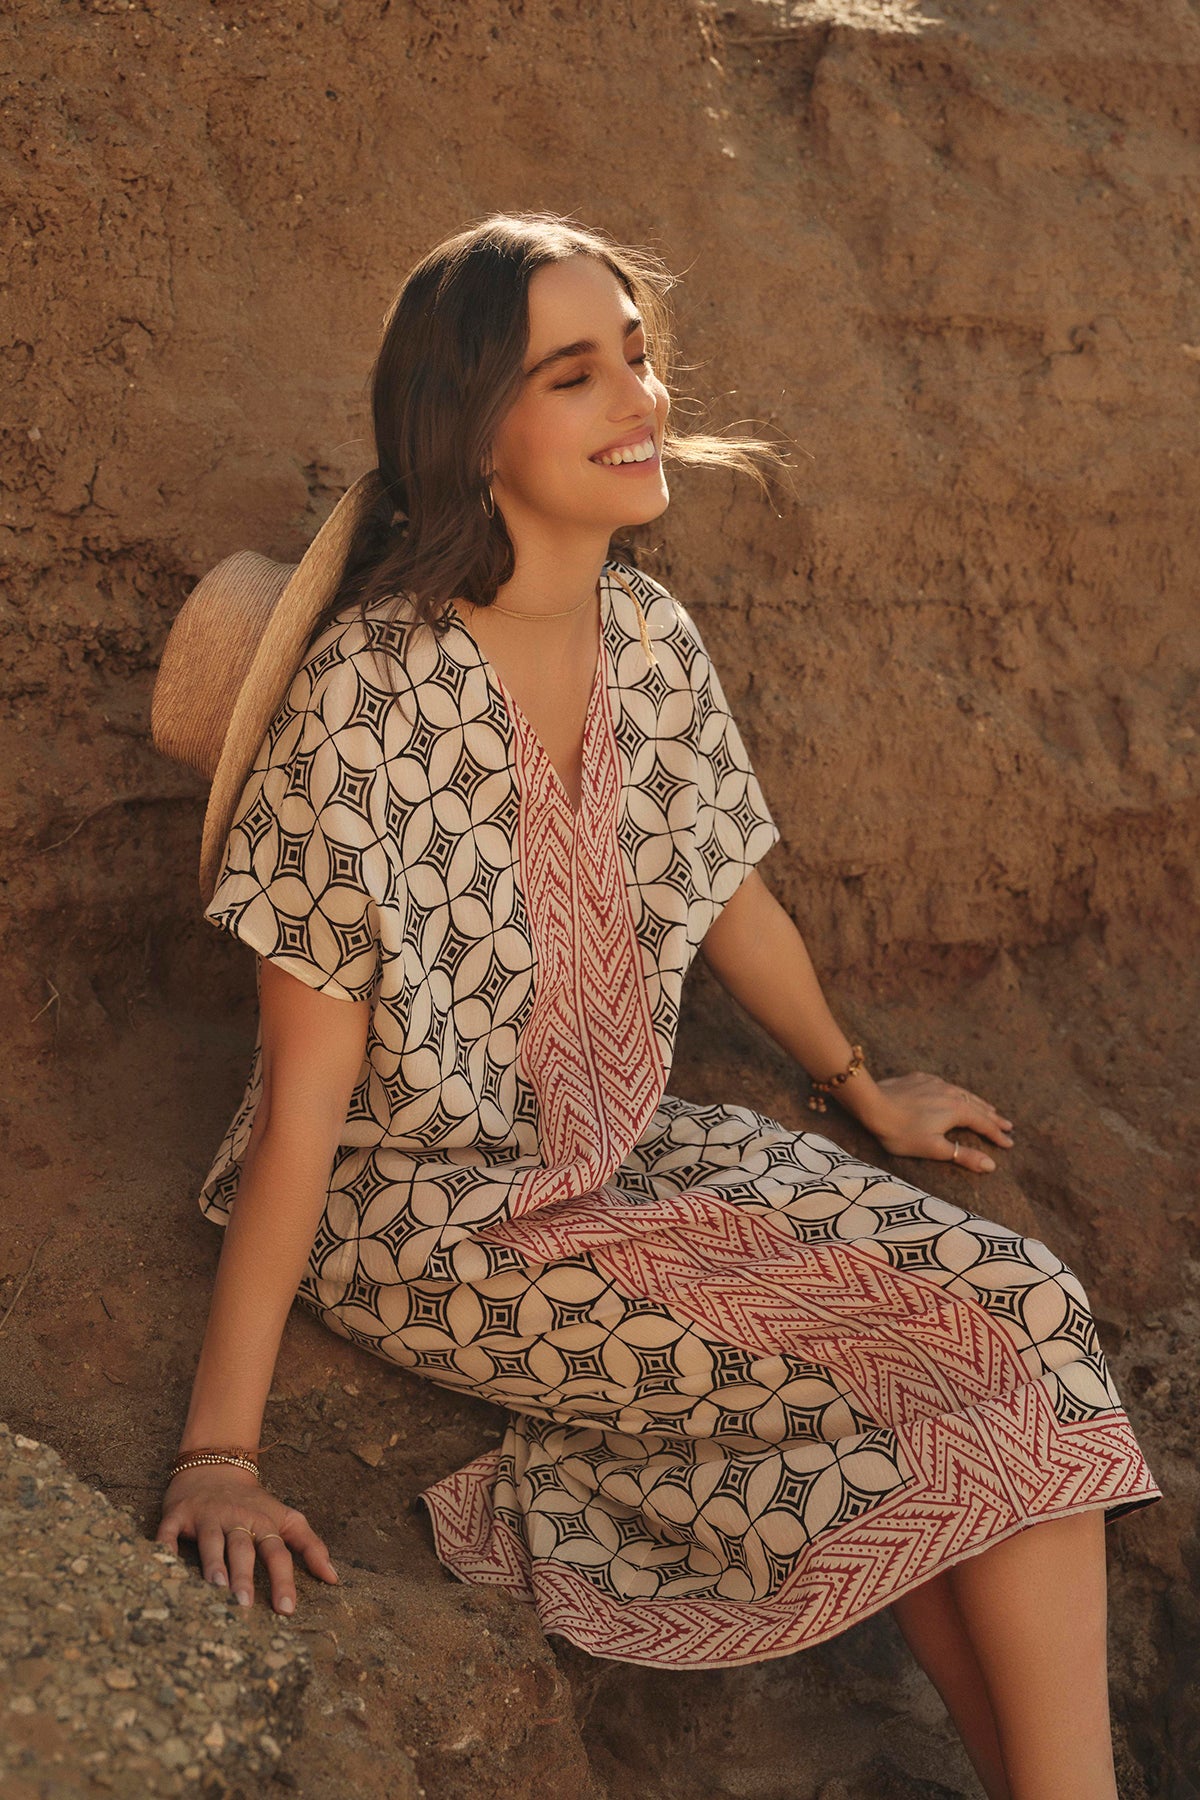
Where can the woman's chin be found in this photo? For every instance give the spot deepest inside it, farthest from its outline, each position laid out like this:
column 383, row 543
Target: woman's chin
column 650, row 506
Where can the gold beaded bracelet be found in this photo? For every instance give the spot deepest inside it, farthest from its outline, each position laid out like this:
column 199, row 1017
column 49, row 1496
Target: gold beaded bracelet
column 197, row 1459
column 816, row 1100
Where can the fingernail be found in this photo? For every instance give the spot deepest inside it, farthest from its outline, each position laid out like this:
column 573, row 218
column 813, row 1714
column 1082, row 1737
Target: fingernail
column 334, row 1573
column 287, row 1604
column 220, row 1579
column 988, row 1163
column 243, row 1597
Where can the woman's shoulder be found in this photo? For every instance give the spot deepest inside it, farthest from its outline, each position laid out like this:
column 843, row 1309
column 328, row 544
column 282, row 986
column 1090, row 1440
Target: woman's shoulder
column 669, row 624
column 377, row 648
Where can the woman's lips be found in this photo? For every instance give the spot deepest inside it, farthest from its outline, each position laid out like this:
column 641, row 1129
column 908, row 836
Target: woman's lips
column 643, row 454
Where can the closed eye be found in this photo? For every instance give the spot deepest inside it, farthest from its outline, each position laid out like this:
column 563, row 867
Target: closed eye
column 578, row 380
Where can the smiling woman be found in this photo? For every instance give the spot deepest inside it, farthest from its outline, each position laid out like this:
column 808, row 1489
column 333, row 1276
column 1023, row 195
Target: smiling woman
column 479, row 801
column 520, row 335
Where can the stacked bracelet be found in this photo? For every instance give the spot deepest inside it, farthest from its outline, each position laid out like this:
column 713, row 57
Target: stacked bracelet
column 196, row 1459
column 816, row 1099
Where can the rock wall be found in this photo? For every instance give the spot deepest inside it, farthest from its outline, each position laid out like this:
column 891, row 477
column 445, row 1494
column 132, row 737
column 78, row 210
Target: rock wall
column 948, row 250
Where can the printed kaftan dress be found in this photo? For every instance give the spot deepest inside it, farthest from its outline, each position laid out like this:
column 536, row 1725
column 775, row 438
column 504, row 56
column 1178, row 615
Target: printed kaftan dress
column 757, row 1389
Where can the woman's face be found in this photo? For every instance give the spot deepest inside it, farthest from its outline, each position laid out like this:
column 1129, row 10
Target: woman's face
column 565, row 456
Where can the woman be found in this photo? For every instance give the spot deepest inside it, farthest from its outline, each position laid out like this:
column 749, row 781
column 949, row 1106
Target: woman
column 757, row 1389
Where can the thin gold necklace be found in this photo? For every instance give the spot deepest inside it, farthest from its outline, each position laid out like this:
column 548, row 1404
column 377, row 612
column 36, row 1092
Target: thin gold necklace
column 565, row 613
column 643, row 630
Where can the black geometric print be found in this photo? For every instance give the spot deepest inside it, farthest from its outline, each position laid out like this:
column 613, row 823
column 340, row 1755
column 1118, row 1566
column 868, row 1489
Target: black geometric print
column 697, row 1444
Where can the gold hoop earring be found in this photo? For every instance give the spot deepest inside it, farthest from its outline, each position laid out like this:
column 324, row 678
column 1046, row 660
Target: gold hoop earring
column 488, row 501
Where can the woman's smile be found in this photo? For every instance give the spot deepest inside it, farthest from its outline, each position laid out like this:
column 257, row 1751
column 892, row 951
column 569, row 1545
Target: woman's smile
column 640, row 452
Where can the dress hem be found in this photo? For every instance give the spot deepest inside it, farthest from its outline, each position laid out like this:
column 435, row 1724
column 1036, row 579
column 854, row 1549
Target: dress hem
column 690, row 1612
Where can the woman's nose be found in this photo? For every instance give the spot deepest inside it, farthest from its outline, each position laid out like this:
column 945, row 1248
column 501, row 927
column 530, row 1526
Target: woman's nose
column 636, row 395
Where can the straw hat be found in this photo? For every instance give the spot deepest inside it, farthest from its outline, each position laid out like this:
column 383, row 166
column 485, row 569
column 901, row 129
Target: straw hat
column 231, row 654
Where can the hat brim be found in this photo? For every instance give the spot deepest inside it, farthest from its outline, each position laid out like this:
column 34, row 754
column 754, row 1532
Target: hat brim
column 280, row 651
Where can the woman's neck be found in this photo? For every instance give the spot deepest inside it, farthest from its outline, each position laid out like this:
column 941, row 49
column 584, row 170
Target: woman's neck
column 553, row 577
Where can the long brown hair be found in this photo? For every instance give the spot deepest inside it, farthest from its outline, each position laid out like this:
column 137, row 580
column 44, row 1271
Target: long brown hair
column 449, row 366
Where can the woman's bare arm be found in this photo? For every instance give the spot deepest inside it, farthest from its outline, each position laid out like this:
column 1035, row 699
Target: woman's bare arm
column 312, row 1053
column 758, row 955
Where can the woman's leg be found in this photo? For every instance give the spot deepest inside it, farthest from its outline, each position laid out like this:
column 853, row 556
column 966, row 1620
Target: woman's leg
column 1035, row 1610
column 935, row 1632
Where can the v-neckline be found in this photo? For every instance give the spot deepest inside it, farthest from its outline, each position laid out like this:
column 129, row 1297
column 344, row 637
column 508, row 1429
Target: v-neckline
column 521, row 722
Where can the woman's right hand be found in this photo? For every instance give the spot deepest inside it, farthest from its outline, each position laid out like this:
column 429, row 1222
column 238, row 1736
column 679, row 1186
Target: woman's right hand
column 220, row 1505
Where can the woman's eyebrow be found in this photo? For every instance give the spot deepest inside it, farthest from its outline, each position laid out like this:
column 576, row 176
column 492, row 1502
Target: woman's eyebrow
column 581, row 347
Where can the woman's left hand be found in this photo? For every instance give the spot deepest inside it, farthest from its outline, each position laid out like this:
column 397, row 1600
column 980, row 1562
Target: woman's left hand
column 913, row 1113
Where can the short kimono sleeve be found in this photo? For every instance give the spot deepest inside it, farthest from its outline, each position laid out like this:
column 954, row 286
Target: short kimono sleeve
column 734, row 826
column 305, row 874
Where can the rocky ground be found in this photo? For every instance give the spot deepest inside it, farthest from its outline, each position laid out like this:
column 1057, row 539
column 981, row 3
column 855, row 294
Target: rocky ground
column 947, row 248
column 120, row 1674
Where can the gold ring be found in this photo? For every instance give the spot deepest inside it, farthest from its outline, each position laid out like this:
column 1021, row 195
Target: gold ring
column 954, row 1158
column 244, row 1528
column 271, row 1534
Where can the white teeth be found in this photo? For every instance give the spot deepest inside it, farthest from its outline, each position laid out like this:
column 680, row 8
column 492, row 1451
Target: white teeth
column 629, row 453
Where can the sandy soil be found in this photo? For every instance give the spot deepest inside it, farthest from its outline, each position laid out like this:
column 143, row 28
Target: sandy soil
column 946, row 248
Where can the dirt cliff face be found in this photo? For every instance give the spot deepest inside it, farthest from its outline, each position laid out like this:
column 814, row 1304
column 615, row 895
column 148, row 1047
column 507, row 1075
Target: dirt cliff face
column 949, row 251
